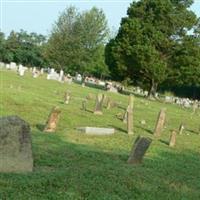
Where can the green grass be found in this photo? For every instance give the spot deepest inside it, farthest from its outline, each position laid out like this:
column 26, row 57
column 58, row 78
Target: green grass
column 68, row 165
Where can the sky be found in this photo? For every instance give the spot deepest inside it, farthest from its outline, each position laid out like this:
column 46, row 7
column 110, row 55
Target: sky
column 39, row 15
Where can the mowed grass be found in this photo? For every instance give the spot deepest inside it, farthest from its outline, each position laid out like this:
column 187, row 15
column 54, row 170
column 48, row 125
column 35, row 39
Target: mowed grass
column 69, row 165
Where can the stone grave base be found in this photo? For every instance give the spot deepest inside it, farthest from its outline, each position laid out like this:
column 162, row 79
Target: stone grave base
column 96, row 130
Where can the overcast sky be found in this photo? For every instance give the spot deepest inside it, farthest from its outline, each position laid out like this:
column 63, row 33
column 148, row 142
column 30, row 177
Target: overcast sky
column 39, row 15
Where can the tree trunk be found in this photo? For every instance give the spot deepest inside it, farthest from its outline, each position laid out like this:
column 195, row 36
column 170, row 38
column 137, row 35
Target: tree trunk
column 152, row 89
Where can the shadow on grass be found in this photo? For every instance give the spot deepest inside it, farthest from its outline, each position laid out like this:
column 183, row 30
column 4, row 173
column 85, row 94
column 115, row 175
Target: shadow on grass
column 145, row 129
column 193, row 131
column 66, row 170
column 164, row 142
column 118, row 128
column 40, row 127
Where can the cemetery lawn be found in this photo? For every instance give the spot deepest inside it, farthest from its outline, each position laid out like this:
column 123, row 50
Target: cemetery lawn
column 72, row 166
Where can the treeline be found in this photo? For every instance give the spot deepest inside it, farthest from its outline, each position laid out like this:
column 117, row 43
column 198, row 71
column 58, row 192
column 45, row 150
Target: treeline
column 157, row 46
column 75, row 44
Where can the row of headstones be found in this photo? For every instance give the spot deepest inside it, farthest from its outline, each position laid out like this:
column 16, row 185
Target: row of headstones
column 23, row 160
column 16, row 146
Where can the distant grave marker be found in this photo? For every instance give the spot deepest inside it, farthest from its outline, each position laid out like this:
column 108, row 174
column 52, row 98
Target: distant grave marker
column 89, row 97
column 15, row 145
column 53, row 119
column 108, row 103
column 160, row 122
column 139, row 149
column 99, row 104
column 130, row 115
column 172, row 141
column 67, row 97
column 84, row 104
column 181, row 128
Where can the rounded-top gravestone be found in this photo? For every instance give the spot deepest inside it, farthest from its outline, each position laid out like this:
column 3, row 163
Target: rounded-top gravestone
column 15, row 145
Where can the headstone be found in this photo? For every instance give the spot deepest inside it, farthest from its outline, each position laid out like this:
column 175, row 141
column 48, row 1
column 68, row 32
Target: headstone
column 172, row 141
column 139, row 149
column 99, row 104
column 21, row 72
column 61, row 76
column 67, row 97
column 194, row 107
column 108, row 103
column 89, row 97
column 130, row 115
column 96, row 130
column 181, row 128
column 160, row 122
column 84, row 104
column 42, row 71
column 53, row 119
column 125, row 116
column 15, row 145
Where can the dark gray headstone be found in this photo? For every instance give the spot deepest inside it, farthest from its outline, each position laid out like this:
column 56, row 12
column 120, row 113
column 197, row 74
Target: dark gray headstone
column 15, row 145
column 139, row 148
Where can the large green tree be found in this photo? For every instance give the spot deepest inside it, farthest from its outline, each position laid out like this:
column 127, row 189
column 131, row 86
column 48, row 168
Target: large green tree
column 143, row 47
column 76, row 39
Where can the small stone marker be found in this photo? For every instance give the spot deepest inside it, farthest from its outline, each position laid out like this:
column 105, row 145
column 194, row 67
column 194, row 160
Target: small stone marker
column 160, row 123
column 181, row 128
column 96, row 130
column 125, row 116
column 108, row 103
column 139, row 148
column 67, row 97
column 52, row 120
column 172, row 141
column 15, row 145
column 89, row 97
column 130, row 115
column 84, row 104
column 99, row 104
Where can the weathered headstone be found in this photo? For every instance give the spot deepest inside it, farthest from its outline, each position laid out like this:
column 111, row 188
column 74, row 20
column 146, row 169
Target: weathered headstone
column 15, row 145
column 89, row 97
column 160, row 122
column 84, row 104
column 53, row 119
column 108, row 103
column 139, row 149
column 181, row 128
column 125, row 116
column 194, row 107
column 99, row 104
column 67, row 97
column 172, row 140
column 130, row 115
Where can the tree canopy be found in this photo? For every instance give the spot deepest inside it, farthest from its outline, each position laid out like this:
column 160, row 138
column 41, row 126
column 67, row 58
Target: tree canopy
column 148, row 37
column 77, row 40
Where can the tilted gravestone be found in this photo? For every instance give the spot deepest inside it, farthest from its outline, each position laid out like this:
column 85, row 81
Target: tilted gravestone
column 67, row 97
column 139, row 149
column 15, row 145
column 160, row 122
column 172, row 141
column 181, row 128
column 99, row 104
column 53, row 119
column 130, row 115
